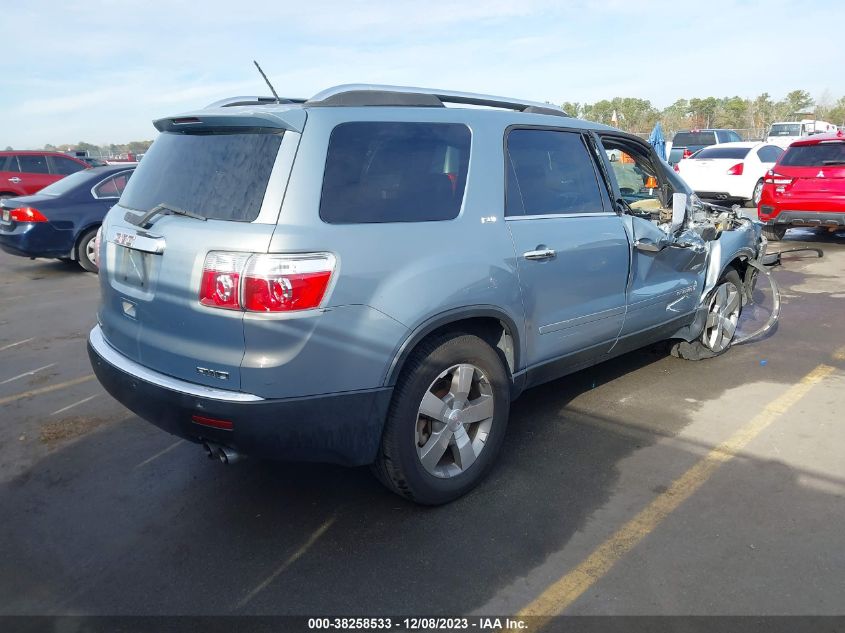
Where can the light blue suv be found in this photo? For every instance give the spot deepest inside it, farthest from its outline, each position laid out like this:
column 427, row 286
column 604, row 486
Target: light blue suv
column 369, row 277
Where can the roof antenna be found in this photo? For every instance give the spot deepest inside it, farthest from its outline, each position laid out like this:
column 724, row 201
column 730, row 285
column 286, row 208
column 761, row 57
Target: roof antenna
column 273, row 90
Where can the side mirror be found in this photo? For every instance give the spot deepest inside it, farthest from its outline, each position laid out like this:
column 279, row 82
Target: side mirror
column 679, row 211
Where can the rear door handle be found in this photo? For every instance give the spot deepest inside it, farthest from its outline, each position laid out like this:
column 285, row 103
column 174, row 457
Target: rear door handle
column 539, row 254
column 15, row 180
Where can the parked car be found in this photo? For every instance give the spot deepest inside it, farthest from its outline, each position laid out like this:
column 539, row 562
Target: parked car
column 61, row 220
column 687, row 143
column 806, row 187
column 377, row 285
column 783, row 133
column 23, row 173
column 730, row 171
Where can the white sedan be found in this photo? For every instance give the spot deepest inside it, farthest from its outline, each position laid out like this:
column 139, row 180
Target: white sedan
column 730, row 171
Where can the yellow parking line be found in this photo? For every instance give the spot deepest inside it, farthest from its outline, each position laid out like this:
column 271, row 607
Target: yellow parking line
column 48, row 389
column 290, row 561
column 564, row 591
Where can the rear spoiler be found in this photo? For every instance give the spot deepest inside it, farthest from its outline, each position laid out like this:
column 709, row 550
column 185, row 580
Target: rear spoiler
column 203, row 122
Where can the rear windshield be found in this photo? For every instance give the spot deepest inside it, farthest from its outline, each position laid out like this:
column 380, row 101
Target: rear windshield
column 67, row 183
column 687, row 139
column 815, row 155
column 785, row 129
column 723, row 152
column 394, row 172
column 218, row 176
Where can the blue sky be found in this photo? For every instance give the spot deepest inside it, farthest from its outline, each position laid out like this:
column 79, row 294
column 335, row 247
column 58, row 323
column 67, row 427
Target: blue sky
column 101, row 70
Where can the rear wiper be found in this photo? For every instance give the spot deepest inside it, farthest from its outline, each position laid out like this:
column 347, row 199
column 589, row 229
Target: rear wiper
column 833, row 162
column 160, row 209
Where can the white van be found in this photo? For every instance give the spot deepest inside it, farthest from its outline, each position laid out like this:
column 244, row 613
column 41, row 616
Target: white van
column 785, row 132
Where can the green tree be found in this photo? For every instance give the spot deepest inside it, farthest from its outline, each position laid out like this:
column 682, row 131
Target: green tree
column 796, row 101
column 704, row 111
column 733, row 112
column 572, row 108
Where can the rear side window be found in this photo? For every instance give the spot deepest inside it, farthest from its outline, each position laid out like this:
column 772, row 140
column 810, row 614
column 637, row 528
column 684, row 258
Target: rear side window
column 33, row 164
column 112, row 187
column 218, row 176
column 815, row 155
column 65, row 166
column 686, row 139
column 550, row 172
column 769, row 153
column 723, row 152
column 9, row 163
column 785, row 129
column 394, row 172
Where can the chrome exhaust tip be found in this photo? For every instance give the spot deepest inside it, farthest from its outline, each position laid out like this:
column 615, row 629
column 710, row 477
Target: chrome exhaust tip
column 228, row 455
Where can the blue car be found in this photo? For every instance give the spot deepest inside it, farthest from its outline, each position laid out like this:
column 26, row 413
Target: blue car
column 62, row 219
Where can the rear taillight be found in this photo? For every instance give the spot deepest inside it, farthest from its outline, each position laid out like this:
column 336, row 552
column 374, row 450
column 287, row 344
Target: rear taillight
column 676, row 168
column 283, row 283
column 736, row 170
column 773, row 178
column 27, row 214
column 221, row 280
column 687, row 153
column 265, row 283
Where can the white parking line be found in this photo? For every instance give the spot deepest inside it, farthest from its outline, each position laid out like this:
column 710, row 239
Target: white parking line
column 27, row 373
column 71, row 406
column 160, row 453
column 27, row 340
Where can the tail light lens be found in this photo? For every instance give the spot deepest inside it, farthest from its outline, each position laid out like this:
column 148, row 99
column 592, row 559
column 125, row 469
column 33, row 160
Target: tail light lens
column 676, row 168
column 687, row 153
column 736, row 170
column 221, row 280
column 265, row 282
column 27, row 214
column 284, row 283
column 773, row 178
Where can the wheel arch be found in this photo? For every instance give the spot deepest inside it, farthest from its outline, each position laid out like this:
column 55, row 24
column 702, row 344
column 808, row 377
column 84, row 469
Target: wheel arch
column 488, row 322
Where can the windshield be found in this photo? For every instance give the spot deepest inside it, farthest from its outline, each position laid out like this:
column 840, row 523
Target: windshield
column 722, row 152
column 814, row 155
column 61, row 187
column 217, row 176
column 785, row 129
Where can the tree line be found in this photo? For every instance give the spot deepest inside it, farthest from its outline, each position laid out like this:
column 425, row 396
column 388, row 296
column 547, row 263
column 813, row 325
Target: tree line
column 112, row 150
column 640, row 115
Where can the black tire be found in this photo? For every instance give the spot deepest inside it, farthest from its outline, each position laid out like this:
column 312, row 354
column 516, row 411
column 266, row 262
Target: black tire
column 82, row 251
column 697, row 349
column 774, row 233
column 398, row 465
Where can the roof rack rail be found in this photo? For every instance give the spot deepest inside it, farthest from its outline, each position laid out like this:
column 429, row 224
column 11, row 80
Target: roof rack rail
column 380, row 95
column 242, row 101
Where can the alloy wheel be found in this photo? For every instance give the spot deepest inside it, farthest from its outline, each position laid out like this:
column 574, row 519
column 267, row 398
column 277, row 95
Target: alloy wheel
column 454, row 420
column 722, row 317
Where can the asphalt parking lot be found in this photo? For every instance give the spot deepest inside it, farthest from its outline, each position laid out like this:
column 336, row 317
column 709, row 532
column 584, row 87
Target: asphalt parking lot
column 608, row 497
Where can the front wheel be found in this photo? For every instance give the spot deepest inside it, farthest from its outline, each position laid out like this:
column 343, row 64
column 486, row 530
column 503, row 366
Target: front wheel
column 724, row 306
column 446, row 421
column 85, row 251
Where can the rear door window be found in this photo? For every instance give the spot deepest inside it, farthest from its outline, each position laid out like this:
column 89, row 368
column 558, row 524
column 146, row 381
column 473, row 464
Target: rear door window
column 65, row 166
column 394, row 172
column 218, row 176
column 9, row 163
column 550, row 172
column 33, row 164
column 815, row 155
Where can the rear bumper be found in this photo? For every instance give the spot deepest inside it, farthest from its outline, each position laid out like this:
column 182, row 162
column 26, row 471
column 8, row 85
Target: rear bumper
column 36, row 240
column 771, row 216
column 343, row 428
